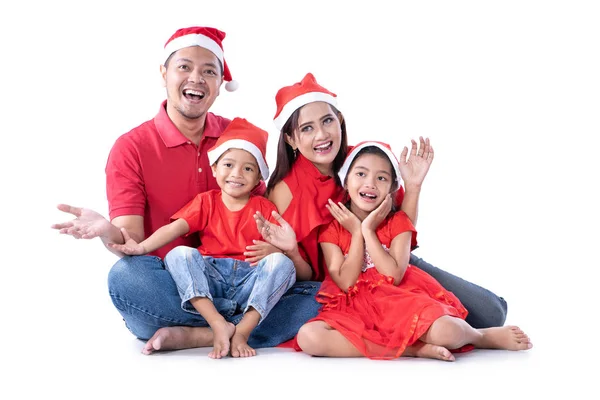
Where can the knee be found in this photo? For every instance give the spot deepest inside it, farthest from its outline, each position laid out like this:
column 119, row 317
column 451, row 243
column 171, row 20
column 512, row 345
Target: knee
column 179, row 253
column 121, row 273
column 497, row 313
column 309, row 340
column 278, row 262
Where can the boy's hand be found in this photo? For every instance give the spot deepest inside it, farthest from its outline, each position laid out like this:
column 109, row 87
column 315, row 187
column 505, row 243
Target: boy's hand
column 131, row 247
column 258, row 251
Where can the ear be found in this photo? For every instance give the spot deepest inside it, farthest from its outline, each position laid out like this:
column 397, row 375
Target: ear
column 214, row 169
column 289, row 139
column 163, row 73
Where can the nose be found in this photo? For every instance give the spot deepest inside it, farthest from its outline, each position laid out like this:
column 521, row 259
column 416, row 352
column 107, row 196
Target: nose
column 196, row 76
column 236, row 171
column 321, row 133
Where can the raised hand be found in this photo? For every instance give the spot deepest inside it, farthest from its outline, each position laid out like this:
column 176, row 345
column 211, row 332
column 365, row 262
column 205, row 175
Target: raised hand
column 130, row 247
column 87, row 224
column 414, row 170
column 377, row 216
column 281, row 236
column 258, row 251
column 345, row 217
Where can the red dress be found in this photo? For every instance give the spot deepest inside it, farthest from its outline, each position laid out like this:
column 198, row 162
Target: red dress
column 377, row 317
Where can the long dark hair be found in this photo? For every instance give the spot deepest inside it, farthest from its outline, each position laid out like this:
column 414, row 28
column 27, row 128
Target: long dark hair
column 286, row 156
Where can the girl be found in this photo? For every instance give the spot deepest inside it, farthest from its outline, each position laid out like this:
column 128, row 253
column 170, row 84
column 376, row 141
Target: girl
column 374, row 303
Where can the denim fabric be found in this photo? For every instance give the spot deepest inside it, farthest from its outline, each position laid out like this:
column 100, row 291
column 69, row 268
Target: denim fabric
column 147, row 298
column 485, row 308
column 229, row 279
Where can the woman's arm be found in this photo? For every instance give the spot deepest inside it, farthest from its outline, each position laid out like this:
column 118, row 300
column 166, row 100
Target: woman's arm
column 281, row 196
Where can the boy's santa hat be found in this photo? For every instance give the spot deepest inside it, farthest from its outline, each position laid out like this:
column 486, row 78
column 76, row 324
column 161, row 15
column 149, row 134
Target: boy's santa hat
column 205, row 37
column 291, row 98
column 241, row 134
column 386, row 148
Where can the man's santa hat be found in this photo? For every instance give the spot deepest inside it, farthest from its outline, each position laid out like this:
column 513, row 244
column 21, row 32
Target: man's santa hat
column 386, row 148
column 291, row 98
column 208, row 38
column 241, row 134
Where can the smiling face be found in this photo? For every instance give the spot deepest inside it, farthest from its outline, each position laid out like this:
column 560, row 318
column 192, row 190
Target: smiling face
column 237, row 173
column 318, row 136
column 369, row 180
column 192, row 76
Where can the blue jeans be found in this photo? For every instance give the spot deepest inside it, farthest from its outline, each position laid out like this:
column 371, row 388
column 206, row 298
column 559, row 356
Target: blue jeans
column 232, row 285
column 147, row 297
column 485, row 308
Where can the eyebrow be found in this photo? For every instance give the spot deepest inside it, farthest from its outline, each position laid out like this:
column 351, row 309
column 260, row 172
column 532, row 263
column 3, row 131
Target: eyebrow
column 183, row 59
column 246, row 163
column 379, row 172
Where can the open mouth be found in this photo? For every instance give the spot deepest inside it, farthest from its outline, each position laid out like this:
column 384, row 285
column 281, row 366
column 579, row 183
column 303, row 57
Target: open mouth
column 369, row 197
column 193, row 95
column 234, row 184
column 323, row 148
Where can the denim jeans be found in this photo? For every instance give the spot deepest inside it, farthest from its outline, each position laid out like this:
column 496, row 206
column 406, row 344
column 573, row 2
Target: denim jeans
column 485, row 308
column 232, row 285
column 145, row 294
column 147, row 298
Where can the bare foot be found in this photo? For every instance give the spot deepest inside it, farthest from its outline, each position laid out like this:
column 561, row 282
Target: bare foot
column 177, row 338
column 239, row 346
column 505, row 338
column 425, row 350
column 222, row 331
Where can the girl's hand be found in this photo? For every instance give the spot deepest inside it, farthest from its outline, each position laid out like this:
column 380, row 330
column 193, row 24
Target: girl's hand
column 414, row 170
column 345, row 217
column 281, row 236
column 130, row 247
column 377, row 216
column 258, row 251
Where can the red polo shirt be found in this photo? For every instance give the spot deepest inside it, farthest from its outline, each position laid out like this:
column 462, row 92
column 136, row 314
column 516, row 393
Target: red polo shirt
column 154, row 170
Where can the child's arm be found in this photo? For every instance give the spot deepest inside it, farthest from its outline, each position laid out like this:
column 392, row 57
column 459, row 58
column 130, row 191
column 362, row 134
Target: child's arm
column 345, row 272
column 413, row 174
column 385, row 263
column 163, row 235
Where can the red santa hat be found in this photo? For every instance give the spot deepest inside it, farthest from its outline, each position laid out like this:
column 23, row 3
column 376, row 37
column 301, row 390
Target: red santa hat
column 241, row 134
column 291, row 98
column 208, row 38
column 386, row 148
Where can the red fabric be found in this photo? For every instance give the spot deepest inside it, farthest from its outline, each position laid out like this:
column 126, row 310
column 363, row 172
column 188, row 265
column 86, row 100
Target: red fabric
column 153, row 171
column 376, row 316
column 224, row 233
column 306, row 212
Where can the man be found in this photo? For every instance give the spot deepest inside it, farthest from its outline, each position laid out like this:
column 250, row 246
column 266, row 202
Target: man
column 154, row 170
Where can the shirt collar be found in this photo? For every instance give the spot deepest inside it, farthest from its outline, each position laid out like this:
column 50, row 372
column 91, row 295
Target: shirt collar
column 172, row 137
column 303, row 164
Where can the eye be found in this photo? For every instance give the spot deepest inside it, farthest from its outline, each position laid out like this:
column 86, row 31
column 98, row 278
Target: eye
column 210, row 72
column 328, row 120
column 183, row 67
column 361, row 174
column 306, row 129
column 382, row 178
column 228, row 165
column 249, row 169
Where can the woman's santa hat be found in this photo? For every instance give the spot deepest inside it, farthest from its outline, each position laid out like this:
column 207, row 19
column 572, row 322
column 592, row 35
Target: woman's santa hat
column 205, row 37
column 291, row 98
column 241, row 134
column 386, row 148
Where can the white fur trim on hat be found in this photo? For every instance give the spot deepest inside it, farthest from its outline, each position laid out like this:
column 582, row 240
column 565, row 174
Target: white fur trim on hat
column 344, row 170
column 214, row 154
column 300, row 101
column 193, row 39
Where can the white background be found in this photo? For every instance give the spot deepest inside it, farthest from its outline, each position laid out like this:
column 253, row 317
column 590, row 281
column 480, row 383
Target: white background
column 508, row 92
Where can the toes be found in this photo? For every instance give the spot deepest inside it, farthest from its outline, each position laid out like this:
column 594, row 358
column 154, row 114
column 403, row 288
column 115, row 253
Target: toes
column 235, row 352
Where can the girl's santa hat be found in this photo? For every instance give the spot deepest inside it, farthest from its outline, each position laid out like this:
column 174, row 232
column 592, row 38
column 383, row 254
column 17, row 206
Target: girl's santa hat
column 386, row 148
column 241, row 134
column 205, row 37
column 291, row 98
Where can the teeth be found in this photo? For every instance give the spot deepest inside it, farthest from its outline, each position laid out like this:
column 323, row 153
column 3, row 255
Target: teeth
column 194, row 92
column 369, row 195
column 323, row 146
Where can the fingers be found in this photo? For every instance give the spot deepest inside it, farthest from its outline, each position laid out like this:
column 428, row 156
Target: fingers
column 413, row 148
column 64, row 225
column 126, row 236
column 430, row 155
column 279, row 219
column 76, row 211
column 403, row 155
column 421, row 146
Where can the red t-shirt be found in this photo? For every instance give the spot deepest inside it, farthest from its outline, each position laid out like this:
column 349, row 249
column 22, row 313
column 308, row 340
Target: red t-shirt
column 224, row 233
column 154, row 170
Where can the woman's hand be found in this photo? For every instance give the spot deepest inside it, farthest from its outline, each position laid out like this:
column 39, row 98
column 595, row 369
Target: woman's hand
column 281, row 236
column 414, row 170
